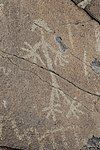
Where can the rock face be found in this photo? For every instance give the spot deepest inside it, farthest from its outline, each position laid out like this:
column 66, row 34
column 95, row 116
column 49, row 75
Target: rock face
column 92, row 7
column 49, row 90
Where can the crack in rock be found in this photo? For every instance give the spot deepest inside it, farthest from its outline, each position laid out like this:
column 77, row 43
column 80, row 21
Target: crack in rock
column 88, row 12
column 55, row 73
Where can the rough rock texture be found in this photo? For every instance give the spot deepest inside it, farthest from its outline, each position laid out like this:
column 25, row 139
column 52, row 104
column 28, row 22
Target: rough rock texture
column 92, row 7
column 92, row 144
column 49, row 90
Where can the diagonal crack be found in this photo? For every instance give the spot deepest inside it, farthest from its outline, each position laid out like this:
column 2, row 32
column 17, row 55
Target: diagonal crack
column 55, row 73
column 89, row 13
column 70, row 97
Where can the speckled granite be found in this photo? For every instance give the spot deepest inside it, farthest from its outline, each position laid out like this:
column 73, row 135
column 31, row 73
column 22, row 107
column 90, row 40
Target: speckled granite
column 49, row 78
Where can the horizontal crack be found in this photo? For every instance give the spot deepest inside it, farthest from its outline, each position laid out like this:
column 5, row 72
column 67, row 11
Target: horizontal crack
column 9, row 148
column 55, row 73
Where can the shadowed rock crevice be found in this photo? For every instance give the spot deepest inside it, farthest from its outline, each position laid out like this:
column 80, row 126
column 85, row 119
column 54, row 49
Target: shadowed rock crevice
column 92, row 144
column 9, row 148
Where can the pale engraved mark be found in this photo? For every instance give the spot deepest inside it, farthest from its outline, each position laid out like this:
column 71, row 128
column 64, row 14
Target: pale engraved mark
column 70, row 35
column 97, row 36
column 84, row 60
column 74, row 110
column 84, row 3
column 52, row 108
column 41, row 24
column 1, row 126
column 32, row 52
column 60, row 59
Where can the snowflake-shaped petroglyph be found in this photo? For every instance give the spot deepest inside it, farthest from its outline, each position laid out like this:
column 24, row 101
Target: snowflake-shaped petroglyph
column 32, row 52
column 52, row 108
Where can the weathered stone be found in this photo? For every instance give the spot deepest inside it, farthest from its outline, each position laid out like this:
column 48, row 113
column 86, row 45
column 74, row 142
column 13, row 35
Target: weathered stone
column 49, row 91
column 92, row 144
column 92, row 7
column 8, row 148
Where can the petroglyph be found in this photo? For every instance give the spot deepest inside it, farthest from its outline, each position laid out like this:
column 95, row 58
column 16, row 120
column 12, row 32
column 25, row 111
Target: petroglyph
column 74, row 110
column 85, row 62
column 97, row 36
column 4, row 102
column 32, row 52
column 61, row 59
column 41, row 24
column 54, row 106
